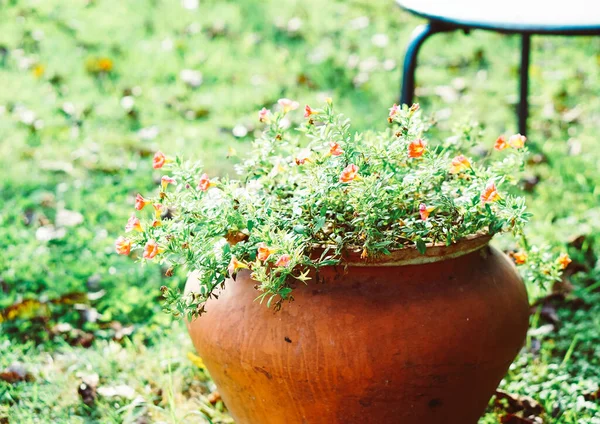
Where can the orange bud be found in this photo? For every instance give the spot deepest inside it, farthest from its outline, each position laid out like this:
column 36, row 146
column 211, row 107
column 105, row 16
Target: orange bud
column 303, row 157
column 157, row 209
column 394, row 110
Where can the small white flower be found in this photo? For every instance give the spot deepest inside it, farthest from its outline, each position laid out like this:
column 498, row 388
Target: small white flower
column 285, row 123
column 148, row 133
column 353, row 61
column 389, row 64
column 359, row 23
column 380, row 40
column 127, row 103
column 190, row 4
column 191, row 77
column 257, row 80
column 27, row 116
column 253, row 186
column 294, row 24
column 68, row 108
column 360, row 79
column 368, row 65
column 37, row 35
column 167, row 44
column 239, row 131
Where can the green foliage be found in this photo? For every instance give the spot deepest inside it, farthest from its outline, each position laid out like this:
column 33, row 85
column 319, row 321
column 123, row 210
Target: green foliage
column 340, row 191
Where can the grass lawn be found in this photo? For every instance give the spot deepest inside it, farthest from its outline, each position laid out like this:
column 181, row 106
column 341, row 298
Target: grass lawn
column 89, row 89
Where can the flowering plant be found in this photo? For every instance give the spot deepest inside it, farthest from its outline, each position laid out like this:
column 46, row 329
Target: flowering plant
column 327, row 187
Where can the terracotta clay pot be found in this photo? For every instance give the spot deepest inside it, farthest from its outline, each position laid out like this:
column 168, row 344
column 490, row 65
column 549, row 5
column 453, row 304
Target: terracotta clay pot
column 407, row 339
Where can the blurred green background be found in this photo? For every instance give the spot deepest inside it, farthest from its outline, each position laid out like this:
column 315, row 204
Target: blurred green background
column 89, row 90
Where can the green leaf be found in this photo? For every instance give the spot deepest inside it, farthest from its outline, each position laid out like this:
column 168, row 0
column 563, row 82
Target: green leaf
column 421, row 246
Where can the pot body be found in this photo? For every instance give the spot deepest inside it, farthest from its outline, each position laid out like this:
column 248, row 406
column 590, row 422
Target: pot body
column 424, row 343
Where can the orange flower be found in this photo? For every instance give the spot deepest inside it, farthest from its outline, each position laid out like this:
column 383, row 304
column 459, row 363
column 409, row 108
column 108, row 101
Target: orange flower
column 288, row 104
column 159, row 160
column 394, row 110
column 123, row 246
column 308, row 111
column 234, row 265
column 564, row 260
column 156, row 223
column 501, row 143
column 303, row 157
column 105, row 64
column 151, row 249
column 490, row 194
column 38, row 70
column 364, row 254
column 140, row 202
column 264, row 252
column 133, row 224
column 204, row 184
column 517, row 141
column 335, row 149
column 166, row 180
column 520, row 257
column 350, row 173
column 425, row 210
column 416, row 148
column 283, row 261
column 157, row 210
column 459, row 164
column 263, row 115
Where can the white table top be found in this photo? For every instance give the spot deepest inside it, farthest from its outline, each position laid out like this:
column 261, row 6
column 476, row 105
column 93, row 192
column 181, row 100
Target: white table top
column 532, row 16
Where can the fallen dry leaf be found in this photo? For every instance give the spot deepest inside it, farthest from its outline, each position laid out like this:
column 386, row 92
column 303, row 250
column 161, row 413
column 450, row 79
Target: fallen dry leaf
column 87, row 388
column 517, row 403
column 592, row 396
column 16, row 372
column 121, row 390
column 120, row 331
column 67, row 218
column 515, row 419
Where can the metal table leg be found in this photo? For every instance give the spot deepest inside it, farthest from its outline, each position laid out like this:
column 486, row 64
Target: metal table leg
column 524, row 83
column 418, row 37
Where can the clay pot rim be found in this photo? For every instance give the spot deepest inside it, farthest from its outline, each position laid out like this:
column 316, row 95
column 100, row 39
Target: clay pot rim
column 410, row 255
